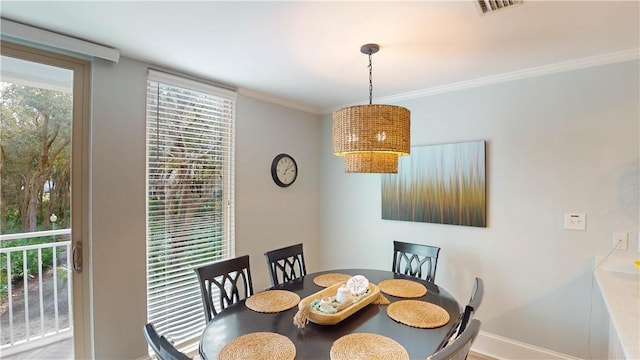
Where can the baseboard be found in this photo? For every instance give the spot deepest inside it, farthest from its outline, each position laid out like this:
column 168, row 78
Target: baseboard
column 499, row 347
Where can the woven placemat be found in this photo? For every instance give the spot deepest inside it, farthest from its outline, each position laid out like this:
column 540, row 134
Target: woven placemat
column 402, row 288
column 360, row 346
column 259, row 346
column 272, row 301
column 326, row 280
column 416, row 313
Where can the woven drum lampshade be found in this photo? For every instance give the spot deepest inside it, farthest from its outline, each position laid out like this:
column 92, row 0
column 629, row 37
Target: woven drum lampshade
column 371, row 137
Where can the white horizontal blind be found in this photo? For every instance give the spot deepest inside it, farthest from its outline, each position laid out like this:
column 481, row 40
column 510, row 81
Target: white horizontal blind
column 190, row 195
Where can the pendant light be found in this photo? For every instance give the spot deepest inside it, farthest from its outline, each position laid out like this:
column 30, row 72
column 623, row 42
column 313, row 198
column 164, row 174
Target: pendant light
column 371, row 137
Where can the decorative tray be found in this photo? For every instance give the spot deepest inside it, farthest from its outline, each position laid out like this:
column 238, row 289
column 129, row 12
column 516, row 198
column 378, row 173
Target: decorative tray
column 349, row 308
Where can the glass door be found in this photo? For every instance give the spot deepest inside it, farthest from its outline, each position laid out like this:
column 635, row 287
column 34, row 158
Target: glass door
column 42, row 197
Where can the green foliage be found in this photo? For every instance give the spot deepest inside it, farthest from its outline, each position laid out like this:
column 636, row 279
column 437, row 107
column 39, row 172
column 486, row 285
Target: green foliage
column 35, row 133
column 4, row 281
column 18, row 257
column 13, row 221
column 62, row 275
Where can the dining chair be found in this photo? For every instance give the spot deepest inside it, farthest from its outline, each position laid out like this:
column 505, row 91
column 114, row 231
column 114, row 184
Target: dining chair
column 408, row 259
column 288, row 262
column 161, row 346
column 460, row 347
column 474, row 303
column 227, row 280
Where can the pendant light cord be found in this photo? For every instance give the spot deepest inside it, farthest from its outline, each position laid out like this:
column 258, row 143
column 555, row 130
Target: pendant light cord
column 370, row 80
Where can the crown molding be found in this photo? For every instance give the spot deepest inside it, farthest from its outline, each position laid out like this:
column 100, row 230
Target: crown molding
column 586, row 62
column 610, row 58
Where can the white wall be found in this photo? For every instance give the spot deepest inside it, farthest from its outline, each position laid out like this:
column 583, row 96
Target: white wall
column 118, row 265
column 558, row 143
column 567, row 142
column 267, row 216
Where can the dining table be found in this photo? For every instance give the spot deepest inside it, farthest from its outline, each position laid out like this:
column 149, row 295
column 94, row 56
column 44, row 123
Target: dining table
column 314, row 341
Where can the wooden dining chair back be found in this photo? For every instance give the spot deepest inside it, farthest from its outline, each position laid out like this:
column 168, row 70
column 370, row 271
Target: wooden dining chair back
column 477, row 293
column 460, row 347
column 288, row 262
column 416, row 260
column 228, row 281
column 161, row 346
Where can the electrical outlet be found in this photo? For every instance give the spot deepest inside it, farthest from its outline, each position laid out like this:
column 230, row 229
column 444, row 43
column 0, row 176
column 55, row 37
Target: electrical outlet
column 621, row 238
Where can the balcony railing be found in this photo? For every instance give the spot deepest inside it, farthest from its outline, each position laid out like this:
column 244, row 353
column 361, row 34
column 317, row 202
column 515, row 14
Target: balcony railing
column 35, row 300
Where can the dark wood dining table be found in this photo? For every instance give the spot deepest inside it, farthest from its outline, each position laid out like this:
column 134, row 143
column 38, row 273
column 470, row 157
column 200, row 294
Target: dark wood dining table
column 314, row 341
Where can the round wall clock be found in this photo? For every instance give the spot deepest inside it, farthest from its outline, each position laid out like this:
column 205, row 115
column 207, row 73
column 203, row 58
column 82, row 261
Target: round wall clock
column 284, row 170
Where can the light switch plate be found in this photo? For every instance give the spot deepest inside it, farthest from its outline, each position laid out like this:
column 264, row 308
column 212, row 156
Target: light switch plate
column 575, row 221
column 622, row 238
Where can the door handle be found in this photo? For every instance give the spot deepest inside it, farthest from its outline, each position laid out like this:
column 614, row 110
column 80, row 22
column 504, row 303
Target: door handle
column 77, row 257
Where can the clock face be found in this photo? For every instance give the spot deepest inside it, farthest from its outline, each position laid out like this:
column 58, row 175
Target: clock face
column 284, row 170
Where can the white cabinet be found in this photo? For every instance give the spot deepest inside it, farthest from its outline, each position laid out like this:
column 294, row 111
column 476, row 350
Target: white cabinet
column 620, row 288
column 615, row 348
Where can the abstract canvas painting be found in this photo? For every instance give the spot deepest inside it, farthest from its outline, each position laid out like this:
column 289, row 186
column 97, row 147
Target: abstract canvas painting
column 442, row 184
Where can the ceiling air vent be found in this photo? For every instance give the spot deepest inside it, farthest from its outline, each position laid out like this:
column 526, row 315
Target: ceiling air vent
column 492, row 5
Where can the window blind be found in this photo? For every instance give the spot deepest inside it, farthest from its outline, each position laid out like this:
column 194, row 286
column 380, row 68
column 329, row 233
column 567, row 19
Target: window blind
column 190, row 196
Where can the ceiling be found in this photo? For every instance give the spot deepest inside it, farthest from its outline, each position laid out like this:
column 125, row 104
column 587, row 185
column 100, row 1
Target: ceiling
column 307, row 53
